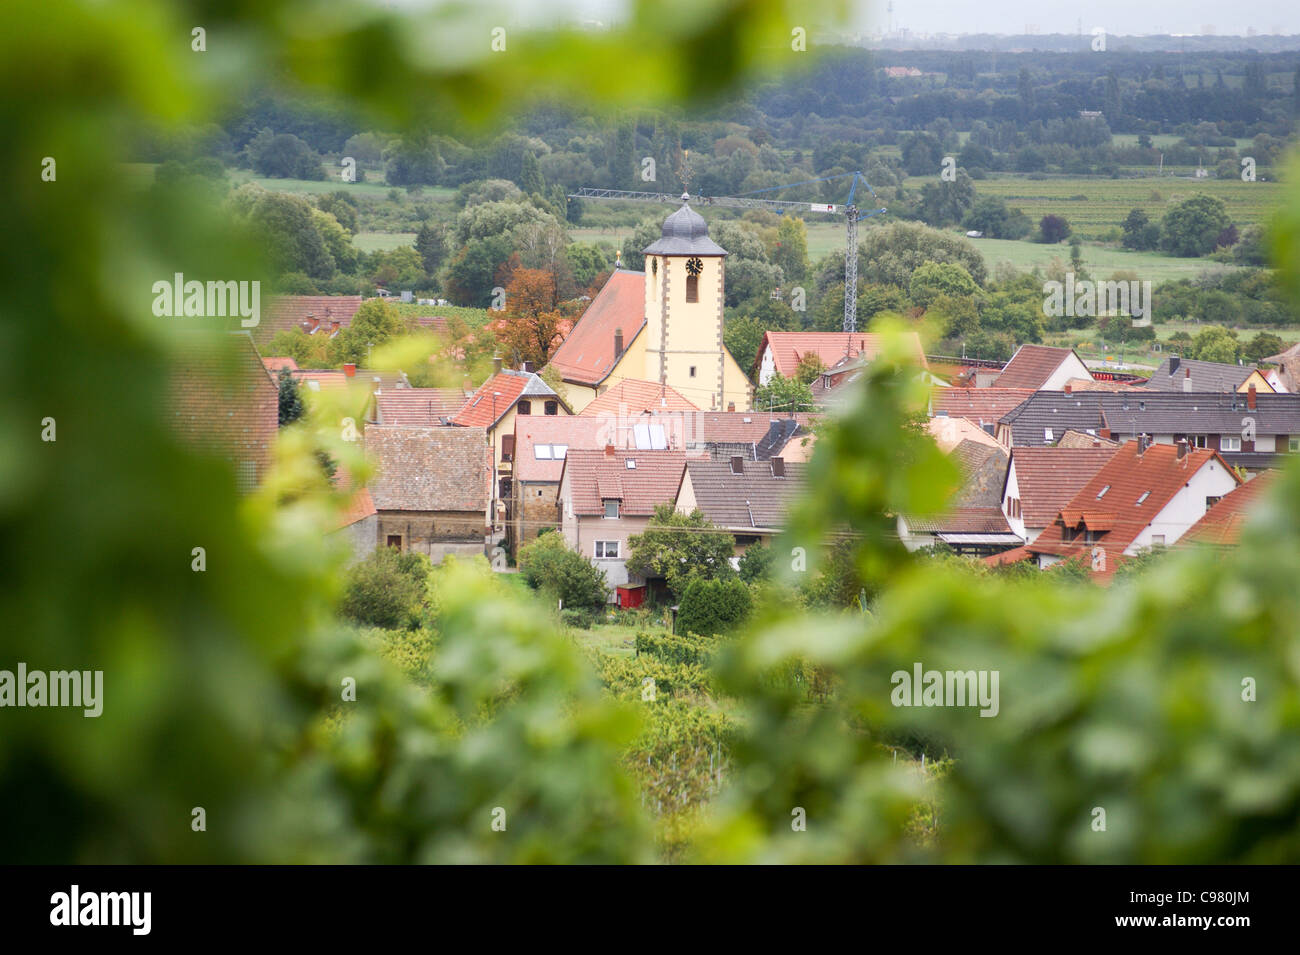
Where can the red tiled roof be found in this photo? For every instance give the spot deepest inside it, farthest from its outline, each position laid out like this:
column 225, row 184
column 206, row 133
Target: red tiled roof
column 222, row 402
column 1031, row 366
column 981, row 405
column 654, row 480
column 788, row 347
column 273, row 365
column 482, row 409
column 296, row 311
column 1013, row 556
column 320, row 379
column 429, row 469
column 433, row 323
column 1049, row 478
column 422, row 407
column 573, row 432
column 1221, row 526
column 586, row 356
column 1157, row 472
column 634, row 397
column 359, row 507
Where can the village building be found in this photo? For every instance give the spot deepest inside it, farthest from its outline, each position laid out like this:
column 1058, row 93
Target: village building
column 662, row 325
column 1042, row 368
column 750, row 499
column 1186, row 374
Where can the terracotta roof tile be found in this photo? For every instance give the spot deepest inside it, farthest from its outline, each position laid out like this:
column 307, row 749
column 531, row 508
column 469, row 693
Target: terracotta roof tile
column 587, row 355
column 223, row 402
column 429, row 469
column 1221, row 526
column 1049, row 478
column 299, row 311
column 831, row 347
column 1031, row 366
column 981, row 405
column 498, row 395
column 420, row 407
column 654, row 480
column 631, row 396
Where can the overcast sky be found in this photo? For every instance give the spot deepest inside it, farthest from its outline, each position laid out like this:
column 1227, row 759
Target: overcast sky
column 1117, row 17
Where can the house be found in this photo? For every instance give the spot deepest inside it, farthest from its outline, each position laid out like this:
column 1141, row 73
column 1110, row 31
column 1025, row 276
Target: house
column 1146, row 495
column 1251, row 431
column 430, row 491
column 1187, row 374
column 973, row 524
column 494, row 406
column 751, row 499
column 222, row 402
column 950, row 432
column 418, row 407
column 1081, row 439
column 779, row 353
column 1042, row 368
column 632, row 397
column 1222, row 524
column 984, row 407
column 1041, row 482
column 358, row 524
column 607, row 496
column 541, row 446
column 662, row 325
column 312, row 314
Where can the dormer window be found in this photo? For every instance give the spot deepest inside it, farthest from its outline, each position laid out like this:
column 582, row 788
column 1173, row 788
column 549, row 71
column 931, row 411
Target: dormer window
column 611, row 507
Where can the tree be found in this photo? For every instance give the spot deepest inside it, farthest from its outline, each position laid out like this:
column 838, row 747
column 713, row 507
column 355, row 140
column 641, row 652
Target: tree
column 1193, row 226
column 713, row 607
column 287, row 229
column 1215, row 344
column 791, row 252
column 1053, row 229
column 991, row 216
column 808, row 368
column 1140, row 233
column 742, row 335
column 549, row 565
column 532, row 326
column 946, row 203
column 783, row 394
column 431, row 243
column 756, row 563
column 888, row 255
column 374, row 323
column 291, row 403
column 680, row 548
column 283, row 157
column 386, row 589
column 933, row 279
column 1262, row 346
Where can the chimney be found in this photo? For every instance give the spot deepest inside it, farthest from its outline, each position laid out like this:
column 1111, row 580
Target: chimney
column 1250, row 398
column 1182, row 448
column 528, row 366
column 609, row 450
column 496, row 364
column 731, row 406
column 1187, row 379
column 1174, row 362
column 334, row 328
column 737, row 464
column 778, row 467
column 1068, row 389
column 618, row 343
column 350, row 370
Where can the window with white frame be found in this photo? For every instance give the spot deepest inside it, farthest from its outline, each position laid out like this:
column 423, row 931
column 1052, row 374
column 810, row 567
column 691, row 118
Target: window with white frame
column 611, row 507
column 1293, row 445
column 607, row 550
column 1229, row 443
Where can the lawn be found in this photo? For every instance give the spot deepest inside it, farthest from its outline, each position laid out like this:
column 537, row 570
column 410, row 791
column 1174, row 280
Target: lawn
column 382, row 241
column 1100, row 261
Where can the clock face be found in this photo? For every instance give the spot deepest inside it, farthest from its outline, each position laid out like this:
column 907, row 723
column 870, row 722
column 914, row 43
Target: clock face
column 694, row 266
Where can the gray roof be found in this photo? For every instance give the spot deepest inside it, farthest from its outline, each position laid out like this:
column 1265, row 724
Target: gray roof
column 756, row 498
column 1204, row 375
column 1137, row 412
column 685, row 233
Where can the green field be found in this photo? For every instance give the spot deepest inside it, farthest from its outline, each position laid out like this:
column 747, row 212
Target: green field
column 1094, row 205
column 382, row 241
column 1100, row 261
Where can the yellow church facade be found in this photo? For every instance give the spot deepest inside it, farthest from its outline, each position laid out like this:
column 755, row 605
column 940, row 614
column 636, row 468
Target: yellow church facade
column 662, row 325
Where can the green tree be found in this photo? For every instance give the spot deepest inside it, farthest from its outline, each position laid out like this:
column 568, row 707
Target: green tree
column 375, row 323
column 431, row 243
column 933, row 279
column 680, row 548
column 290, row 400
column 783, row 394
column 1193, row 226
column 548, row 564
column 1215, row 344
column 386, row 589
column 1140, row 232
column 1262, row 346
column 1053, row 229
column 713, row 607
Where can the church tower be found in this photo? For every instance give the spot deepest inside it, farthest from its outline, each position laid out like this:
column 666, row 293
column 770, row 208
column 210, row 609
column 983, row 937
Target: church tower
column 685, row 272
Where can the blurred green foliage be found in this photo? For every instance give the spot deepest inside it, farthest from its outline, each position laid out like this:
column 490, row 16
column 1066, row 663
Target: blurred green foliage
column 226, row 688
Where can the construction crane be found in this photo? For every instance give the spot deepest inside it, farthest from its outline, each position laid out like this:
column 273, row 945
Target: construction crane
column 755, row 200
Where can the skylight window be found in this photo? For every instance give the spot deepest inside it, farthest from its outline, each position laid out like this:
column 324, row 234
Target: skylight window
column 542, row 452
column 1145, row 495
column 1102, row 492
column 631, row 464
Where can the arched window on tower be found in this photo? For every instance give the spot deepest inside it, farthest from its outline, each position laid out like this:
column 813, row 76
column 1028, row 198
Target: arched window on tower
column 693, row 269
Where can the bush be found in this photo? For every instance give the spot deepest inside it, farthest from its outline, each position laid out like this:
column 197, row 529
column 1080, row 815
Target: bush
column 387, row 589
column 548, row 564
column 691, row 650
column 711, row 607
